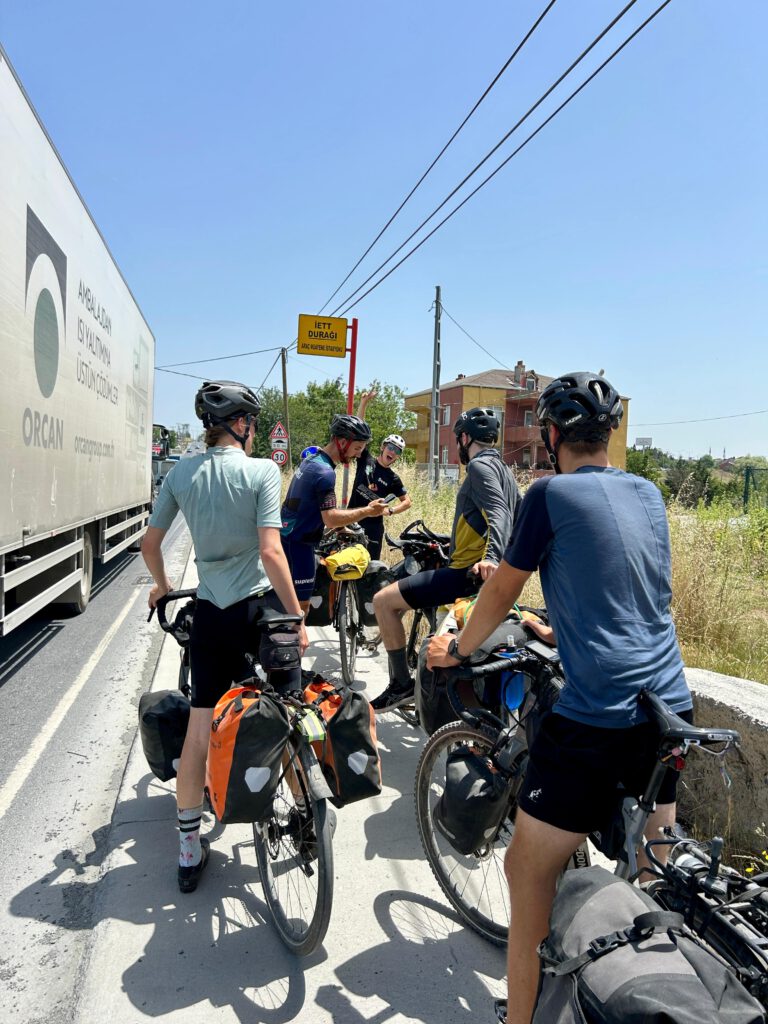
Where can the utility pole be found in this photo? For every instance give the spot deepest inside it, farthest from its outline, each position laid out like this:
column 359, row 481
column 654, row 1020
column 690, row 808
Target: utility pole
column 286, row 424
column 433, row 471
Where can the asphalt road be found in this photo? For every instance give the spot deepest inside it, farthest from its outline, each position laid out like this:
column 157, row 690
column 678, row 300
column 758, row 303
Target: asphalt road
column 69, row 690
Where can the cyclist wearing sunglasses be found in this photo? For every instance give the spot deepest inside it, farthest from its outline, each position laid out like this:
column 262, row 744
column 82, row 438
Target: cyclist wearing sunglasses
column 375, row 478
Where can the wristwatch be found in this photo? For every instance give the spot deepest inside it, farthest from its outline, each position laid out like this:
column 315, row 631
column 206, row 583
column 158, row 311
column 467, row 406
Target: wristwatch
column 453, row 650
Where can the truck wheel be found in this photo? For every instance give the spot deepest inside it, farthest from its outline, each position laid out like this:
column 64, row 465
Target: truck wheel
column 75, row 600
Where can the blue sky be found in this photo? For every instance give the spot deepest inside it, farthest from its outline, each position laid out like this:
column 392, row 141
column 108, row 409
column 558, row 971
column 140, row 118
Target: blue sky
column 239, row 158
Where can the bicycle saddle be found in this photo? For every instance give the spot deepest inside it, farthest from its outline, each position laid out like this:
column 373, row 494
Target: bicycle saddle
column 272, row 617
column 671, row 726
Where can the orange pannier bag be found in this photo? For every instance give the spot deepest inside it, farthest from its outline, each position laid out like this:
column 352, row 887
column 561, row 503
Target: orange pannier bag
column 248, row 737
column 348, row 755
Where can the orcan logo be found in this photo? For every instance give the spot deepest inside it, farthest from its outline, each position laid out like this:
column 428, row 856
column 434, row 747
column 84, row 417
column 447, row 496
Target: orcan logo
column 46, row 300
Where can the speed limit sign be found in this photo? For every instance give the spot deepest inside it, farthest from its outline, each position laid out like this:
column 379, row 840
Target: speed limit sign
column 279, row 456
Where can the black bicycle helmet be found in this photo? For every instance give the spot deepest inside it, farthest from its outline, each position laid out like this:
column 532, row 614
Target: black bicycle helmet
column 479, row 424
column 583, row 406
column 218, row 401
column 350, row 427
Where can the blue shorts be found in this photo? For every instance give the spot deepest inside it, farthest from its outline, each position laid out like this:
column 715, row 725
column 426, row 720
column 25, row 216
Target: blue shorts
column 301, row 562
column 433, row 587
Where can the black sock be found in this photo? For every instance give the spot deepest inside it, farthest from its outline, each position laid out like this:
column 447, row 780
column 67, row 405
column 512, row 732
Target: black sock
column 399, row 673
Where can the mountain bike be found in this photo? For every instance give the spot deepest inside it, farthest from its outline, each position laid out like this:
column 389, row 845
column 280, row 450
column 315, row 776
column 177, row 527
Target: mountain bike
column 293, row 846
column 727, row 911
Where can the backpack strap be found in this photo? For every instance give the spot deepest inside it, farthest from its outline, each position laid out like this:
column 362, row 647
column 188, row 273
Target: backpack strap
column 643, row 926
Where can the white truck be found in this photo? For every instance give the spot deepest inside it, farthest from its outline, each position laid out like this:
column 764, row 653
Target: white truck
column 76, row 364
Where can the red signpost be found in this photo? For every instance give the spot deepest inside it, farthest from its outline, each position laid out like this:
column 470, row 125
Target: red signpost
column 350, row 400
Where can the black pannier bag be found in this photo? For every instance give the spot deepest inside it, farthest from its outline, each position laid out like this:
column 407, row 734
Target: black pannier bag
column 163, row 720
column 321, row 602
column 613, row 956
column 377, row 576
column 474, row 802
column 278, row 643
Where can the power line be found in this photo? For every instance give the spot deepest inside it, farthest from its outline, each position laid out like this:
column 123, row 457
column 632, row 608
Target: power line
column 504, row 162
column 707, row 419
column 269, row 371
column 475, row 341
column 178, row 373
column 214, row 359
column 514, row 54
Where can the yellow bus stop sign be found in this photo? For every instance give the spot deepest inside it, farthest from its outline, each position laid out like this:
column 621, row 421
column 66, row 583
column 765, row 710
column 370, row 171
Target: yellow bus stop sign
column 322, row 336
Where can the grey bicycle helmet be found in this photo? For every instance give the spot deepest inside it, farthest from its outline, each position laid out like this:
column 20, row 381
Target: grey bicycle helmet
column 352, row 428
column 220, row 400
column 583, row 406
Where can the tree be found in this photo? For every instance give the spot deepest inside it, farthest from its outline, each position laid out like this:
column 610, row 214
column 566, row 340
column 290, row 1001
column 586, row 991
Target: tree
column 311, row 411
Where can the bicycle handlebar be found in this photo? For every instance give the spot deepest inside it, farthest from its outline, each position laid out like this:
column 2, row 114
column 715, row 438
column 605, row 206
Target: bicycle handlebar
column 172, row 595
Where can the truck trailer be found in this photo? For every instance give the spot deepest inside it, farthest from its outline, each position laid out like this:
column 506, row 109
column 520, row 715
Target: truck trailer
column 77, row 361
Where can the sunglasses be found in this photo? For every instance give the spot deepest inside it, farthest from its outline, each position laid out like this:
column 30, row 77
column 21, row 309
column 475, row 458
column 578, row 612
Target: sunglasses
column 393, row 448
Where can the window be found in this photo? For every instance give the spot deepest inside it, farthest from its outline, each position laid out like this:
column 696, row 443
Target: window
column 530, row 384
column 527, row 457
column 528, row 422
column 446, row 416
column 444, row 455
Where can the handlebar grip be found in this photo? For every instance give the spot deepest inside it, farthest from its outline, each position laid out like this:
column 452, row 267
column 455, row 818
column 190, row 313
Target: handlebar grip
column 172, row 595
column 487, row 669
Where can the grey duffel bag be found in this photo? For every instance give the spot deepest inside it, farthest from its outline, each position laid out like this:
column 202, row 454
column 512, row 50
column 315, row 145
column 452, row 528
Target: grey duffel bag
column 613, row 956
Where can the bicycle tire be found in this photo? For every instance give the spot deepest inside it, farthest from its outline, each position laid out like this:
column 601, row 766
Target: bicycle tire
column 349, row 626
column 298, row 890
column 423, row 623
column 475, row 885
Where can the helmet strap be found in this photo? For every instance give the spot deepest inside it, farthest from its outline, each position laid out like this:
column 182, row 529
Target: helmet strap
column 342, row 445
column 551, row 451
column 240, row 438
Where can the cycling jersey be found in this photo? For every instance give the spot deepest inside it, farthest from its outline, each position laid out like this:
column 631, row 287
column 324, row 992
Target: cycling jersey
column 600, row 540
column 486, row 508
column 379, row 481
column 225, row 497
column 312, row 492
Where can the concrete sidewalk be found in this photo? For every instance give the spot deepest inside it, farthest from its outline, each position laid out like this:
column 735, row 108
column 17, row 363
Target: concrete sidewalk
column 394, row 951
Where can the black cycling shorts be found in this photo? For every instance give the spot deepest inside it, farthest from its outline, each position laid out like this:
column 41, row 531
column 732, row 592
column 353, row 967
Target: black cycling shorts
column 218, row 643
column 434, row 587
column 575, row 769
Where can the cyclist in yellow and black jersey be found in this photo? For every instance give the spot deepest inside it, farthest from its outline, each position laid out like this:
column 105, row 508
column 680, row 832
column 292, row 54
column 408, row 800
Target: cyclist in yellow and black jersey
column 486, row 506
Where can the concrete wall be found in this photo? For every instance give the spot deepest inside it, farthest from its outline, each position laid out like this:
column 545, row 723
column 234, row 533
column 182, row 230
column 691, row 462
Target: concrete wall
column 703, row 799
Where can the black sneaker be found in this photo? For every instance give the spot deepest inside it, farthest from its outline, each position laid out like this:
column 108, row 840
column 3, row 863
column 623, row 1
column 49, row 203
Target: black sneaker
column 393, row 697
column 189, row 877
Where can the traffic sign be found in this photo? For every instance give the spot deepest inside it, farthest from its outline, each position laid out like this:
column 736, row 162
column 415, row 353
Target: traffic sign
column 279, row 456
column 279, row 442
column 278, row 431
column 322, row 336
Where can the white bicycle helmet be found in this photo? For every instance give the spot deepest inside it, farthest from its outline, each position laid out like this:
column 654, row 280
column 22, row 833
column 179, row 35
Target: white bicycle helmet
column 396, row 440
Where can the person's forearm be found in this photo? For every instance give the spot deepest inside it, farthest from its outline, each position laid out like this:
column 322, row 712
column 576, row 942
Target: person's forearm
column 276, row 567
column 497, row 596
column 336, row 517
column 402, row 506
column 153, row 559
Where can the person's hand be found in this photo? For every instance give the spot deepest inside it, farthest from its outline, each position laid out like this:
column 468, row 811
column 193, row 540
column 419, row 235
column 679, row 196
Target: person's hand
column 545, row 633
column 303, row 639
column 368, row 396
column 484, row 569
column 159, row 591
column 437, row 652
column 377, row 508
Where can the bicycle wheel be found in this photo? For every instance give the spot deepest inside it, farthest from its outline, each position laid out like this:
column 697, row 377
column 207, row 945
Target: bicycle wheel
column 422, row 624
column 295, row 858
column 349, row 629
column 474, row 884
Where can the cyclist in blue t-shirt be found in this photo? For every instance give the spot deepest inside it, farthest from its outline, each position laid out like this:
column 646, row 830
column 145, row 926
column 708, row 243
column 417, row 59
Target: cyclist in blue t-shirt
column 310, row 504
column 600, row 540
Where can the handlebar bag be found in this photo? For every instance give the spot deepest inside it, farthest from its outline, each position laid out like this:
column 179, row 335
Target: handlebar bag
column 322, row 600
column 474, row 803
column 163, row 720
column 376, row 577
column 349, row 753
column 278, row 647
column 248, row 738
column 613, row 956
column 431, row 694
column 349, row 563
